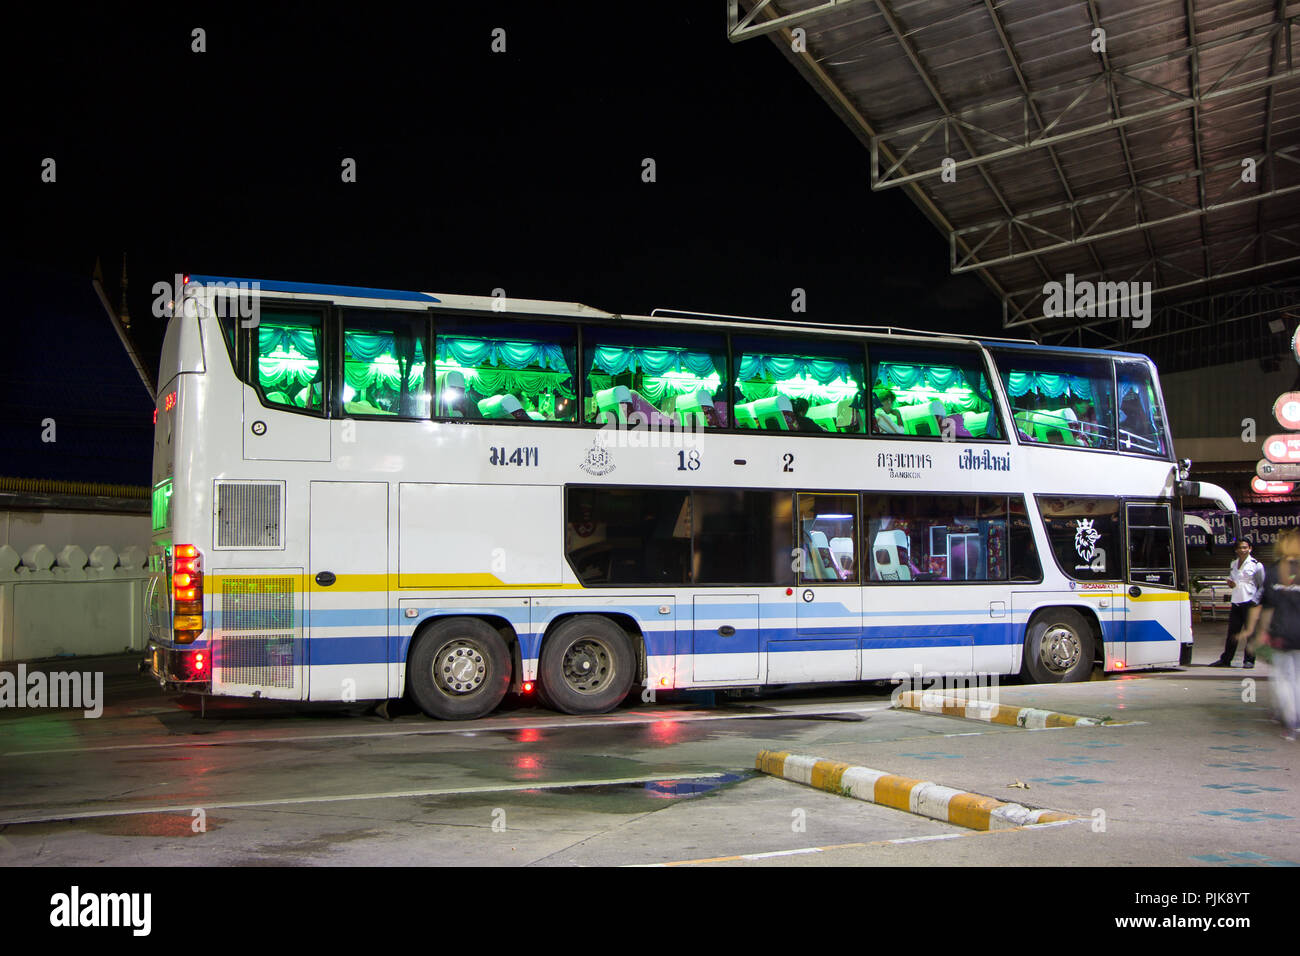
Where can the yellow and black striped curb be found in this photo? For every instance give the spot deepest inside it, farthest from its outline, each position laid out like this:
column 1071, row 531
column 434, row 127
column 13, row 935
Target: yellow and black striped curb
column 903, row 793
column 1030, row 718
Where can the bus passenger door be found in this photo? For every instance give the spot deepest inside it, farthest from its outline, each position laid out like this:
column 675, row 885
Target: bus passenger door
column 1152, row 616
column 725, row 639
column 347, row 585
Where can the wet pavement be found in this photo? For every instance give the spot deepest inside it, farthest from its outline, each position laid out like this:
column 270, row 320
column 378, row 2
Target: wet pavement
column 1201, row 777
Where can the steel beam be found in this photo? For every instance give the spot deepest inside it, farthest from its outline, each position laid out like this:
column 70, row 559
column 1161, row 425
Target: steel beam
column 1029, row 141
column 1016, row 305
column 1090, row 233
column 743, row 28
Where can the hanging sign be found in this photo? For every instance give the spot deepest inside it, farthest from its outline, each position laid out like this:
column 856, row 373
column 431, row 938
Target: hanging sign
column 1262, row 487
column 1282, row 448
column 1277, row 471
column 1287, row 409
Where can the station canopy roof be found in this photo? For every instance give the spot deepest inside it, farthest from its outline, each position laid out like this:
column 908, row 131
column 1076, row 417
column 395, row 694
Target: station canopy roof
column 1169, row 153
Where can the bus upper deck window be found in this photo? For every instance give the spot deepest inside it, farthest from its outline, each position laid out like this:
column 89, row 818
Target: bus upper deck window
column 1059, row 400
column 929, row 392
column 496, row 370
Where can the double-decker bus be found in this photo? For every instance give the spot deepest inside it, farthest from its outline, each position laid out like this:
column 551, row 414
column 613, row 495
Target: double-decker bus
column 362, row 493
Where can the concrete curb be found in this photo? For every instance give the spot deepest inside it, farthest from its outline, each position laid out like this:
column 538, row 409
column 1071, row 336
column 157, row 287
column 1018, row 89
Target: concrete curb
column 922, row 797
column 928, row 702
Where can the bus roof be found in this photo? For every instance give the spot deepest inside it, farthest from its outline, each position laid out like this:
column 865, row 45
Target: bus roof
column 558, row 308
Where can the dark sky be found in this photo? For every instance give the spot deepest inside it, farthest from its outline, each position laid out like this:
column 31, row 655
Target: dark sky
column 475, row 170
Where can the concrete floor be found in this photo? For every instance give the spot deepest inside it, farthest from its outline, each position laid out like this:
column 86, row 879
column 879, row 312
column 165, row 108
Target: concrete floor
column 1201, row 778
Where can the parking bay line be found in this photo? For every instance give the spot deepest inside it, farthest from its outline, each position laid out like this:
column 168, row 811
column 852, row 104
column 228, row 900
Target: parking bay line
column 853, row 846
column 684, row 717
column 344, row 798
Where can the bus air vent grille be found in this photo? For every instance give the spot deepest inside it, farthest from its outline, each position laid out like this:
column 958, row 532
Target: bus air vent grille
column 248, row 515
column 257, row 632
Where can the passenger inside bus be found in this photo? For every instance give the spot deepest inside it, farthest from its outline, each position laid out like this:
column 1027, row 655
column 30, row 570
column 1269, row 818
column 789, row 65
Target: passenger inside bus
column 889, row 421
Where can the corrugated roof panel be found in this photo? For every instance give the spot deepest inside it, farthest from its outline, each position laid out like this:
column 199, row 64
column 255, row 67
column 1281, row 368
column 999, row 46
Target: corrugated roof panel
column 947, row 79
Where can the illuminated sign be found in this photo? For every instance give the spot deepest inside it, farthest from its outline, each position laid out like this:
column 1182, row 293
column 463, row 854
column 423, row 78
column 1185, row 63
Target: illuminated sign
column 1275, row 471
column 1287, row 409
column 1282, row 448
column 1262, row 487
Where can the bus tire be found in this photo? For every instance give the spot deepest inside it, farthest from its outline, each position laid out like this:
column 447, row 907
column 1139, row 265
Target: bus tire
column 587, row 665
column 1058, row 648
column 459, row 669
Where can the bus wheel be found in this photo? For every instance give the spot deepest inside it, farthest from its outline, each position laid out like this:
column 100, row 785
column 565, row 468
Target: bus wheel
column 586, row 665
column 459, row 669
column 1058, row 648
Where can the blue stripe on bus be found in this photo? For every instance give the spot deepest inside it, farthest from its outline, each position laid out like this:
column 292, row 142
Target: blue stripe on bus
column 312, row 288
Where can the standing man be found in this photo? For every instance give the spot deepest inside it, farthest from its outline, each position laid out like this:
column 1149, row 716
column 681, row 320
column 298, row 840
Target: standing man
column 1247, row 576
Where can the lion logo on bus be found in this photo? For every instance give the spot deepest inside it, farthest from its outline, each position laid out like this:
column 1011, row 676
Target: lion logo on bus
column 1086, row 538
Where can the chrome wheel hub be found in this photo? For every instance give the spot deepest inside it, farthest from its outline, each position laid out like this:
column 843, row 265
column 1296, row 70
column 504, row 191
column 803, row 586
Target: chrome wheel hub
column 459, row 668
column 1061, row 649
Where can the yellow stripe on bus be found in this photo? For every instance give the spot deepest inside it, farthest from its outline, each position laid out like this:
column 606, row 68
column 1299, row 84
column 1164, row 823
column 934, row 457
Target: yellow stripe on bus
column 389, row 582
column 1162, row 596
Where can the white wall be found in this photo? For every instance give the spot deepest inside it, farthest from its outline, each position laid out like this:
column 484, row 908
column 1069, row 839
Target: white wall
column 22, row 529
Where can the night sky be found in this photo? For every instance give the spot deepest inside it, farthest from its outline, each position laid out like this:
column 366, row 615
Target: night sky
column 475, row 170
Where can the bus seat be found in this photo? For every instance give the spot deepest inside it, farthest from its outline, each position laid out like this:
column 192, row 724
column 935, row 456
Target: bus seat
column 451, row 393
column 745, row 415
column 279, row 398
column 919, row 420
column 834, row 417
column 536, row 416
column 698, row 407
column 891, row 556
column 1054, row 426
column 821, row 563
column 843, row 548
column 977, row 423
column 612, row 404
column 501, row 406
column 720, row 408
column 774, row 413
column 649, row 412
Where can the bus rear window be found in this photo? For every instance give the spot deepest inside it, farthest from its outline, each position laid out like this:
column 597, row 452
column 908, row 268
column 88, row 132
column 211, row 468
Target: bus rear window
column 288, row 356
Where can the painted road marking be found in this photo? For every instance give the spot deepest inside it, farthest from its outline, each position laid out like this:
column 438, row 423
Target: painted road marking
column 345, row 797
column 632, row 720
column 853, row 846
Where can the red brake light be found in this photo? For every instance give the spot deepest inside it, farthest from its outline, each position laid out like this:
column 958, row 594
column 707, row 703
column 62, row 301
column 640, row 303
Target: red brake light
column 187, row 595
column 528, row 687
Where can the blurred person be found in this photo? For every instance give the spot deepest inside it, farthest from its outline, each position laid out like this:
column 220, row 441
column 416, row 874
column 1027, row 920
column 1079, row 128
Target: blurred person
column 1247, row 577
column 1276, row 621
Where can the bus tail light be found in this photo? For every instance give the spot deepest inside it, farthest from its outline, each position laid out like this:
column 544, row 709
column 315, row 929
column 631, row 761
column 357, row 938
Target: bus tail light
column 187, row 593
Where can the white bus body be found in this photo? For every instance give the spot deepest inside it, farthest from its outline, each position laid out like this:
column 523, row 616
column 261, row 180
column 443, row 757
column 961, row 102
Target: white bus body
column 324, row 550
